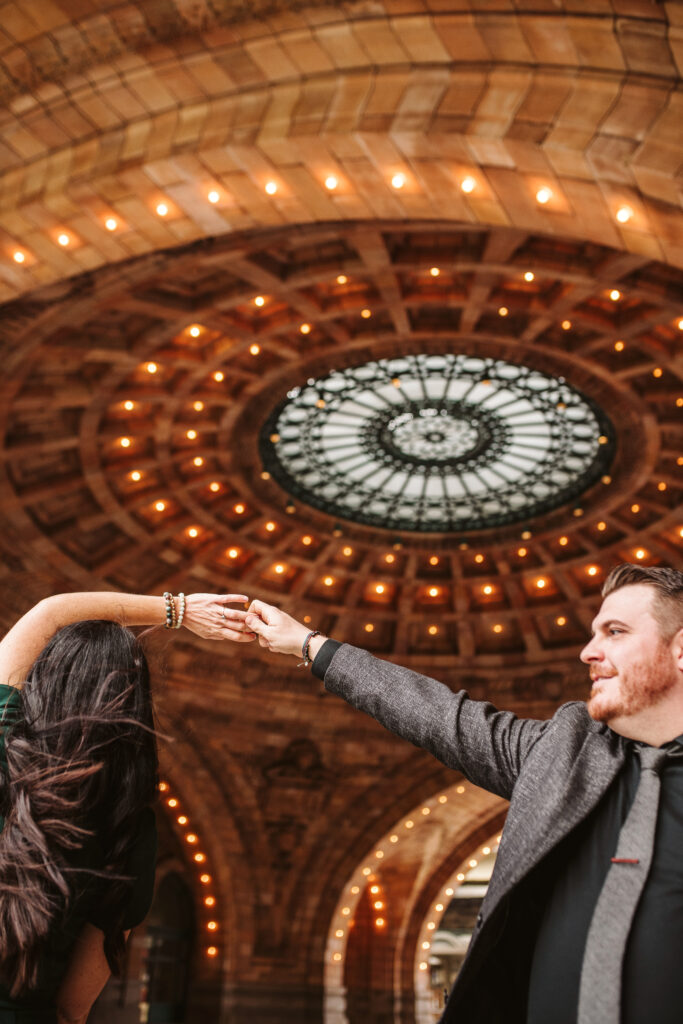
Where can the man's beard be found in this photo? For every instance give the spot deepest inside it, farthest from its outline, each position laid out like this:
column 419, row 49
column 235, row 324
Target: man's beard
column 638, row 690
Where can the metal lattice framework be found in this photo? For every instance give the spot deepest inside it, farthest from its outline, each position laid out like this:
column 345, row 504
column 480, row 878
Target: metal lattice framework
column 445, row 443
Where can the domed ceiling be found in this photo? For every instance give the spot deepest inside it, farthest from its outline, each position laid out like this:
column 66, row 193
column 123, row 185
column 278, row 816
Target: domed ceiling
column 430, row 440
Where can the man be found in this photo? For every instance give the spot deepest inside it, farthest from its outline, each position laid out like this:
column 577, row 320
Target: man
column 559, row 898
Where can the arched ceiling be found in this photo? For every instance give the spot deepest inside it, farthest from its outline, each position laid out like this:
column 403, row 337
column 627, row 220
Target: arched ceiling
column 136, row 144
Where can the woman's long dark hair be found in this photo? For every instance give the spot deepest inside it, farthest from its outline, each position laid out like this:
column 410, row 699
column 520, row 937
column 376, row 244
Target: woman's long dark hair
column 81, row 762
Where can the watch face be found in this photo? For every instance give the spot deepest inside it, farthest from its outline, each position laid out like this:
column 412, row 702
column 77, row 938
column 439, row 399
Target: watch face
column 436, row 443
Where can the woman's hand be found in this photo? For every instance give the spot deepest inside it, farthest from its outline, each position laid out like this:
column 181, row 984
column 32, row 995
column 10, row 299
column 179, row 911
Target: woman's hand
column 276, row 630
column 210, row 616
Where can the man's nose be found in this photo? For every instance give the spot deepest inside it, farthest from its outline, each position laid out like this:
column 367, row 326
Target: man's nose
column 590, row 651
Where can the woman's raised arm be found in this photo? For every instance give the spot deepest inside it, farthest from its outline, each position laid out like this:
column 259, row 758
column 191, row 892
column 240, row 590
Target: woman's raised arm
column 207, row 615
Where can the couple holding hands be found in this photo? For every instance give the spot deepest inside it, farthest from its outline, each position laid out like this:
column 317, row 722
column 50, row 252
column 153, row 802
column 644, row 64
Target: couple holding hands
column 575, row 927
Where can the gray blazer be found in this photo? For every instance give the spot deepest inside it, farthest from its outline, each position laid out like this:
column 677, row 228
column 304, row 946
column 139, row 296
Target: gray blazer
column 553, row 773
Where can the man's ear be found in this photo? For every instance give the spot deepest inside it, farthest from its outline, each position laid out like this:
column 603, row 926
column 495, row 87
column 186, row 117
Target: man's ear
column 677, row 648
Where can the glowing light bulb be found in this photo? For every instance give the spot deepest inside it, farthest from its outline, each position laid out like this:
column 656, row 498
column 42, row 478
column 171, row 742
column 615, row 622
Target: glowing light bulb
column 160, row 506
column 162, row 209
column 398, row 181
column 125, row 442
column 468, row 184
column 342, row 278
column 544, row 195
column 271, row 188
column 331, row 182
column 198, row 406
column 111, row 223
column 529, row 276
column 136, row 475
column 254, row 349
column 214, row 486
column 615, row 294
column 213, row 196
column 366, row 313
column 151, row 367
column 305, row 328
column 624, row 214
column 63, row 239
column 195, row 330
column 198, row 461
column 260, row 300
column 434, row 271
column 219, row 376
column 18, row 256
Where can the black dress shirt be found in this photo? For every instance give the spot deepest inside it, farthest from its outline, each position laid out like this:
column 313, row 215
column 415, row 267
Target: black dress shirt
column 573, row 876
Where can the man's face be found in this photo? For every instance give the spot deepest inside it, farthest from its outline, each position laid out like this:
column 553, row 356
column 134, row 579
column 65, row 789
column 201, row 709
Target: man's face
column 631, row 666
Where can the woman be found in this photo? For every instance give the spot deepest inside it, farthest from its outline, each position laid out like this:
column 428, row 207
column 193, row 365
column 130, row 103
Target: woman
column 78, row 775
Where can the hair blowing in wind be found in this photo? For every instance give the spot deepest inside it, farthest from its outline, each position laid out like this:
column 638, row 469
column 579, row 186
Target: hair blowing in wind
column 81, row 762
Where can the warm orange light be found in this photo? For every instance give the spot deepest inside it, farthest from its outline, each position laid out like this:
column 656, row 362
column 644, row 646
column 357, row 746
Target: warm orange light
column 487, row 589
column 307, row 539
column 433, row 560
column 433, row 591
column 390, row 559
column 619, row 346
column 561, row 620
column 379, row 588
column 212, row 926
column 254, row 349
column 205, row 879
column 18, row 256
column 369, row 628
column 342, row 278
column 379, row 921
column 479, row 559
column 213, row 196
column 163, row 787
column 233, row 552
column 212, row 951
column 191, row 838
column 433, row 630
column 160, row 506
column 214, row 486
column 331, row 182
column 657, row 372
column 270, row 526
column 529, row 276
column 195, row 330
column 172, row 802
column 210, row 901
column 563, row 541
column 200, row 858
column 191, row 435
column 219, row 376
column 635, row 509
column 238, row 509
column 434, row 271
column 136, row 475
column 602, row 525
column 271, row 188
column 198, row 406
column 279, row 568
column 624, row 214
column 398, row 181
column 162, row 209
column 111, row 223
column 498, row 628
column 193, row 532
column 366, row 313
column 541, row 583
column 661, row 486
column 64, row 239
column 640, row 553
column 522, row 552
column 181, row 819
column 503, row 311
column 129, row 406
column 125, row 442
column 566, row 325
column 592, row 570
column 260, row 300
column 347, row 551
column 198, row 461
column 544, row 195
column 329, row 581
column 151, row 367
column 468, row 184
column 305, row 328
column 615, row 294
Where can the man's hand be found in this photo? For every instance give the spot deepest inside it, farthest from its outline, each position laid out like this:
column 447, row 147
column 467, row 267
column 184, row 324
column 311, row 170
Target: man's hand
column 276, row 630
column 209, row 616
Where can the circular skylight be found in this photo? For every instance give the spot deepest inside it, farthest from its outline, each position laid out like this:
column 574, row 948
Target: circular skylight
column 436, row 443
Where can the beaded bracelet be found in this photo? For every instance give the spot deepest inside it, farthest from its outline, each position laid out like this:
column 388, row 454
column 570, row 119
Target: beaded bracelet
column 305, row 652
column 181, row 613
column 170, row 611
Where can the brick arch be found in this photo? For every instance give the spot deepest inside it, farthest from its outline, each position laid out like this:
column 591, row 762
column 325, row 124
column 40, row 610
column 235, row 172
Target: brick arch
column 410, row 873
column 589, row 106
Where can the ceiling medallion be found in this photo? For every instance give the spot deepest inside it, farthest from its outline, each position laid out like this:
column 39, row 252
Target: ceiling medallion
column 436, row 443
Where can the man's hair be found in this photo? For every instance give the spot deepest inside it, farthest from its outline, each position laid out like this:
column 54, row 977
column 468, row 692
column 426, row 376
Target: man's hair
column 667, row 604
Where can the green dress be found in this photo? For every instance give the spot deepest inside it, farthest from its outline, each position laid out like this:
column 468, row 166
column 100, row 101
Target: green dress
column 38, row 1006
